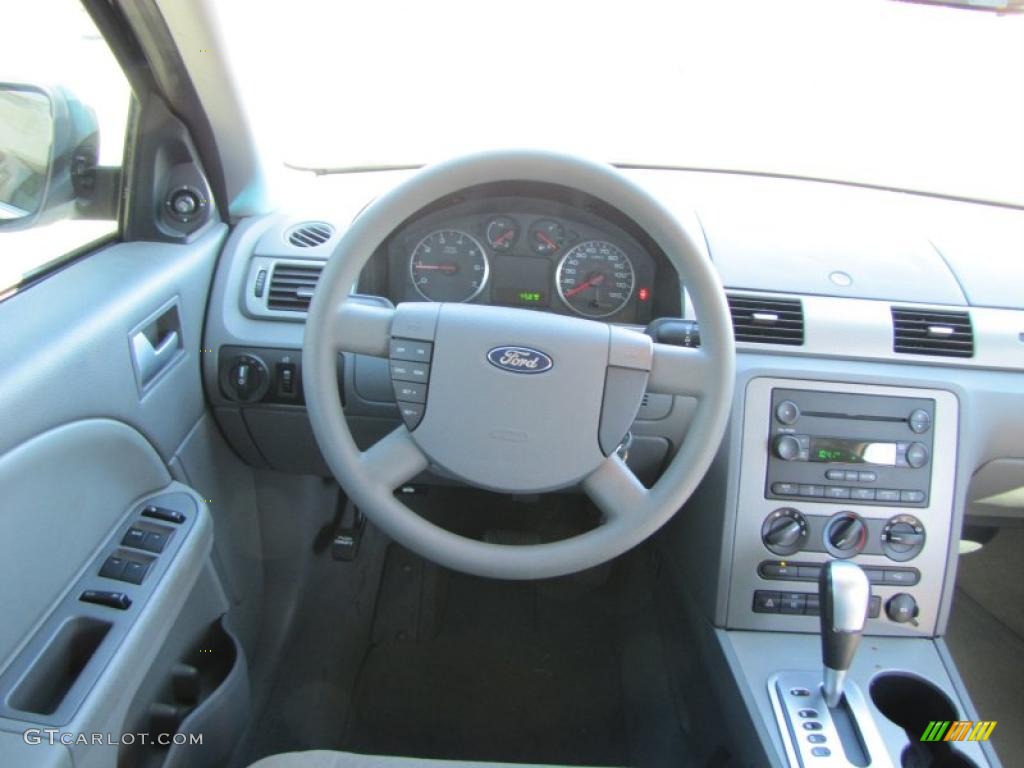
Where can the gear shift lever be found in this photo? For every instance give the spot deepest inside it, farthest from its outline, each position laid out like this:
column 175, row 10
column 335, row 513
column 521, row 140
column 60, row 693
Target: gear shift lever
column 844, row 592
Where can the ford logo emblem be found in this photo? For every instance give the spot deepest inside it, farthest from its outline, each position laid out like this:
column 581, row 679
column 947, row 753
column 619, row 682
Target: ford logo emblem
column 519, row 360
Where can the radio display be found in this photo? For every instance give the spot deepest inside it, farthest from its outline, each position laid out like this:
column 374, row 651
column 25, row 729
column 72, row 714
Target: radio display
column 838, row 450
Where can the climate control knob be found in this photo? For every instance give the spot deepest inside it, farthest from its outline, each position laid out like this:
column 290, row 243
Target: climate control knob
column 845, row 535
column 786, row 447
column 784, row 531
column 903, row 538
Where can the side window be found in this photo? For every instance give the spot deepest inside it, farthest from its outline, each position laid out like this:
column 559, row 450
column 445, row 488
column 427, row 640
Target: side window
column 64, row 104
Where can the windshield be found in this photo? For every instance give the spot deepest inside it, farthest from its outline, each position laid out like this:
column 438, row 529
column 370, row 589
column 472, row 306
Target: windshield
column 896, row 94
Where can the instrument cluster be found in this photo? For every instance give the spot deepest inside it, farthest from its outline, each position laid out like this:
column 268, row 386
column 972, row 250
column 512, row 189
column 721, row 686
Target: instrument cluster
column 521, row 253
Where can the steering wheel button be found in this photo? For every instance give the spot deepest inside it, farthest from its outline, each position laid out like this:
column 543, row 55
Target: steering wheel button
column 410, row 371
column 412, row 413
column 409, row 349
column 410, row 392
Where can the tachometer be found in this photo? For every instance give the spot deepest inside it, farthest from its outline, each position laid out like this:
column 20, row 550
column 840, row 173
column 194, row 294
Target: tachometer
column 448, row 265
column 595, row 278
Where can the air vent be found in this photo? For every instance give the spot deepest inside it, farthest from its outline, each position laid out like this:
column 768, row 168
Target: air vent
column 765, row 320
column 292, row 286
column 930, row 332
column 310, row 234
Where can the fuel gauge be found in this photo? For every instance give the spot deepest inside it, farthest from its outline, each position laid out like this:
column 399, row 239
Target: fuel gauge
column 502, row 233
column 547, row 236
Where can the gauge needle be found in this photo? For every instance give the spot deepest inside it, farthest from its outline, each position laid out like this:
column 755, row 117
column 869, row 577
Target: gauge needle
column 503, row 238
column 547, row 241
column 594, row 281
column 442, row 267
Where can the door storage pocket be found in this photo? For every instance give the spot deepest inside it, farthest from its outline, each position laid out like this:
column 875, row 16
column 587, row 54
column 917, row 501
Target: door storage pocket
column 51, row 676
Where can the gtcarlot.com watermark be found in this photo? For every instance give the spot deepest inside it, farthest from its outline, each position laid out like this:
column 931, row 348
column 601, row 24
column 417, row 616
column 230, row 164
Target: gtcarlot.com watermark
column 53, row 736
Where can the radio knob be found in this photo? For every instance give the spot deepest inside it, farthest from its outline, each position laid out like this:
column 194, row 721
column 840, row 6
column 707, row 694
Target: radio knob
column 845, row 535
column 787, row 447
column 917, row 455
column 787, row 412
column 784, row 531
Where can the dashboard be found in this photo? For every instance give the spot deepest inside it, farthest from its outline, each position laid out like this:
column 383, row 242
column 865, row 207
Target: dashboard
column 552, row 252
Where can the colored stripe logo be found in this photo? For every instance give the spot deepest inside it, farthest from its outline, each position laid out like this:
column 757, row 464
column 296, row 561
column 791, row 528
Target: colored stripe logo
column 958, row 730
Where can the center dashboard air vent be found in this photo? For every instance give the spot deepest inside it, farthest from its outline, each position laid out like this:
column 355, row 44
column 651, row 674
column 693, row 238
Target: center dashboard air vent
column 292, row 286
column 309, row 234
column 767, row 320
column 932, row 332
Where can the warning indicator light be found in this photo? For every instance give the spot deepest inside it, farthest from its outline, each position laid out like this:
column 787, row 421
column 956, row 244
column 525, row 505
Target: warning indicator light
column 643, row 294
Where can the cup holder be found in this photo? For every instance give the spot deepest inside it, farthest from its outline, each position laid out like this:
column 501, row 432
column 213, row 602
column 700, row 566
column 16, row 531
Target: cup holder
column 912, row 703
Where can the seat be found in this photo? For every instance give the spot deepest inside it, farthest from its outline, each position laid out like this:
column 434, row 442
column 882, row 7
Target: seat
column 324, row 758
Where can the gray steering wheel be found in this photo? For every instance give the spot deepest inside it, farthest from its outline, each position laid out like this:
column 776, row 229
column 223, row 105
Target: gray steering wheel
column 517, row 401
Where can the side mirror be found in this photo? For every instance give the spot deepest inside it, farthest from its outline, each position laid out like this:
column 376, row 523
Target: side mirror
column 49, row 147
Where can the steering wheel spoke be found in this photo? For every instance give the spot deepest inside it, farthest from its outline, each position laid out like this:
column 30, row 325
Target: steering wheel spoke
column 615, row 490
column 361, row 328
column 394, row 459
column 680, row 371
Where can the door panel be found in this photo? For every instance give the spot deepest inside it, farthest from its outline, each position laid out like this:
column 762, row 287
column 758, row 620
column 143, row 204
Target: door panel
column 66, row 342
column 85, row 439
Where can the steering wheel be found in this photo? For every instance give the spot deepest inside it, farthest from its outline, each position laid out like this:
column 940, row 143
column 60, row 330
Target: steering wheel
column 517, row 401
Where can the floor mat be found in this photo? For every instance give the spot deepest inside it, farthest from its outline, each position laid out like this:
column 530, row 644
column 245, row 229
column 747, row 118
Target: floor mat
column 510, row 673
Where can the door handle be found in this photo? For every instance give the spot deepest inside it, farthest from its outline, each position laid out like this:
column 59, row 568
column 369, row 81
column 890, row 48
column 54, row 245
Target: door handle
column 156, row 344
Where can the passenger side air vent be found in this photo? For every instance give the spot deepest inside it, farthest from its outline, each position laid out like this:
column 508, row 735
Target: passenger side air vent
column 930, row 332
column 292, row 286
column 310, row 234
column 765, row 320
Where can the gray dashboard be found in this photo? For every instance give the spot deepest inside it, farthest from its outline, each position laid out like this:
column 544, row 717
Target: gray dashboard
column 847, row 260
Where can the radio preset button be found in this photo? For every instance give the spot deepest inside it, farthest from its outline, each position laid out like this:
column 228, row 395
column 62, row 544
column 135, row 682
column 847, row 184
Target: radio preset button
column 912, row 497
column 786, row 489
column 812, row 491
column 837, row 492
column 862, row 494
column 867, row 477
column 835, row 474
column 886, row 494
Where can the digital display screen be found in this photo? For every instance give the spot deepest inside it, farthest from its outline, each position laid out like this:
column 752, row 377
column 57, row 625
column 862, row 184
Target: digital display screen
column 521, row 281
column 836, row 450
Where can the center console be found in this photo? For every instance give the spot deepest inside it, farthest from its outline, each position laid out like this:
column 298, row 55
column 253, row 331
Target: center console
column 843, row 471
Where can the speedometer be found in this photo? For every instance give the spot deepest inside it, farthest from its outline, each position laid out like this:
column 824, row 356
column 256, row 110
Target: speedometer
column 595, row 278
column 448, row 265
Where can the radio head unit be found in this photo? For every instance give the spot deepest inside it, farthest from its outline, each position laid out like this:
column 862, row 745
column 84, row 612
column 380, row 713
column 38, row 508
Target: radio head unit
column 863, row 449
